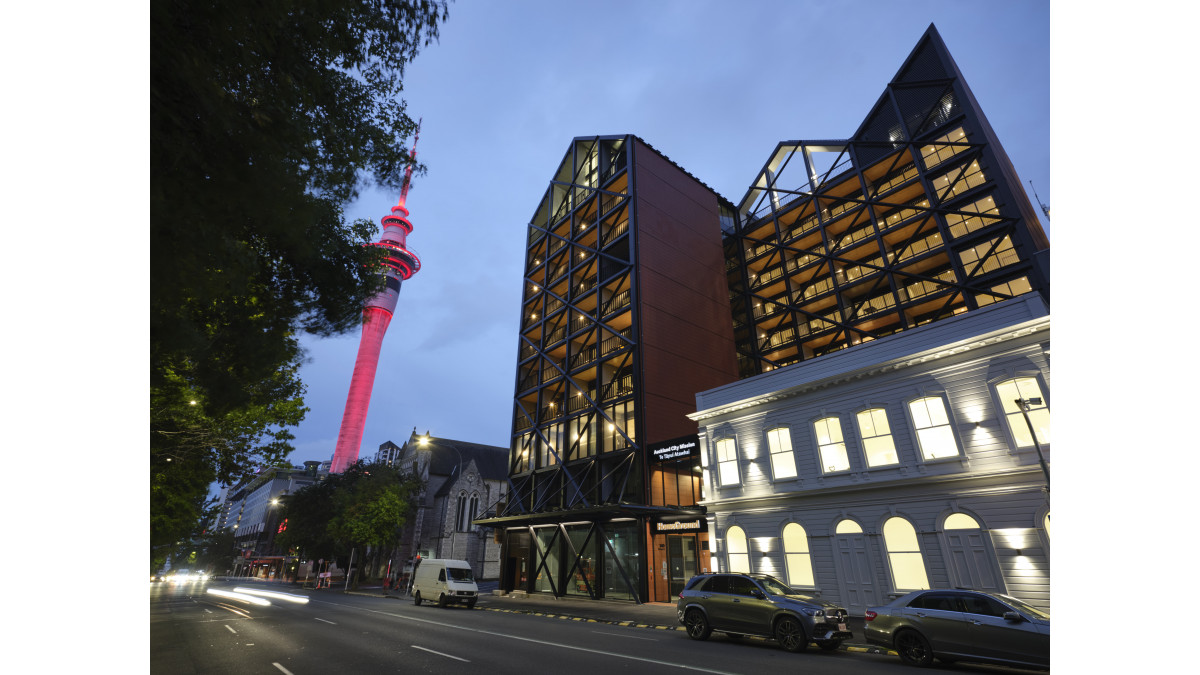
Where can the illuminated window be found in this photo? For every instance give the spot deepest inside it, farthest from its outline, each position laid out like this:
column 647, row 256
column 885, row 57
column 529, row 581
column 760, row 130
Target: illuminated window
column 932, row 423
column 831, row 445
column 1039, row 413
column 727, row 461
column 847, row 526
column 958, row 180
column 797, row 557
column 937, row 152
column 783, row 461
column 982, row 259
column 1047, row 524
column 1010, row 288
column 960, row 521
column 964, row 222
column 904, row 555
column 737, row 550
column 877, row 438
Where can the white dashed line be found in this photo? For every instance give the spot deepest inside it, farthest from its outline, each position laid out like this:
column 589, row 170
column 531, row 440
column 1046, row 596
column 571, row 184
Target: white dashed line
column 440, row 654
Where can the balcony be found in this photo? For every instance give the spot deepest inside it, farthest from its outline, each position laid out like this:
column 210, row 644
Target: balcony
column 616, row 303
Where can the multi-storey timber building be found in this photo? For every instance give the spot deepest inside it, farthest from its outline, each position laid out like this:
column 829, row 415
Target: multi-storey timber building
column 644, row 287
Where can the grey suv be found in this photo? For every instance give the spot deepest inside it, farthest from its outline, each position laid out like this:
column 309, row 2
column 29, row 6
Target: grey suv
column 759, row 604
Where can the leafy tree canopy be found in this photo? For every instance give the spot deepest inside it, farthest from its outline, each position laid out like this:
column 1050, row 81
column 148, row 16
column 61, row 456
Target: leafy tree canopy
column 266, row 118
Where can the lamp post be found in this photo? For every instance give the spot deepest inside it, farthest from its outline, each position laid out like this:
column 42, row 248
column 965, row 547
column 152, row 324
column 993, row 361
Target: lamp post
column 1023, row 404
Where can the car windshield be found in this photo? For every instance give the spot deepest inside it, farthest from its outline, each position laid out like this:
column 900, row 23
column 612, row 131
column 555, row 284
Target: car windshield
column 1028, row 609
column 460, row 574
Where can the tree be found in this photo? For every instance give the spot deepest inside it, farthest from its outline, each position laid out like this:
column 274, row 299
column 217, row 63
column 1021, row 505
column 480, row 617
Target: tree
column 266, row 118
column 367, row 505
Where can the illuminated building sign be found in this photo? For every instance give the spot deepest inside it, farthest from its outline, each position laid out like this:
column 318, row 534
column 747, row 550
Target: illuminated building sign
column 684, row 447
column 681, row 526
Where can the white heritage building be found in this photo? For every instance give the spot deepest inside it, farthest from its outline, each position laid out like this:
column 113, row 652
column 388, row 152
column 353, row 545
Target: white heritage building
column 901, row 464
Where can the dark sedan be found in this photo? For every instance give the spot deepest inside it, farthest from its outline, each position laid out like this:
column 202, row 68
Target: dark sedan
column 961, row 625
column 761, row 605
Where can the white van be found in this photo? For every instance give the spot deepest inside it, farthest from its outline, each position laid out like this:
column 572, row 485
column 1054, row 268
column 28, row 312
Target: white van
column 446, row 580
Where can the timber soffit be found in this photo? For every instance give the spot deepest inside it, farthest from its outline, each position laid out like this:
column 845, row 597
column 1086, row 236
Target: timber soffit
column 1025, row 328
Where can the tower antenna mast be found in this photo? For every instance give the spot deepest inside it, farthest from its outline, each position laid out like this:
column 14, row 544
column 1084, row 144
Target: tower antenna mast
column 1045, row 207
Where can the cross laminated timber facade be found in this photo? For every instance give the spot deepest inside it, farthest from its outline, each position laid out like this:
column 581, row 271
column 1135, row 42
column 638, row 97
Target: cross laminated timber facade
column 644, row 288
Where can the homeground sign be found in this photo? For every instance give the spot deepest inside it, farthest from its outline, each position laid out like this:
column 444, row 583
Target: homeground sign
column 684, row 447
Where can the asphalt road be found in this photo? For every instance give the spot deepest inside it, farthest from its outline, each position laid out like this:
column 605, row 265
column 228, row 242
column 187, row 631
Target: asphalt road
column 195, row 630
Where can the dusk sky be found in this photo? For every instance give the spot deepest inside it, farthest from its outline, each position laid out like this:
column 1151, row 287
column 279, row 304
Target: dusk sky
column 712, row 85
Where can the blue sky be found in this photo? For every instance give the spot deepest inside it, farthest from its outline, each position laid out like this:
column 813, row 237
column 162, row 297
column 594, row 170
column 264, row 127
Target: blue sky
column 712, row 85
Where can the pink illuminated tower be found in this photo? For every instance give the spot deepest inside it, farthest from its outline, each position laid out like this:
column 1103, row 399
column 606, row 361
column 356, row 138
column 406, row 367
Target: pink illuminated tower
column 399, row 264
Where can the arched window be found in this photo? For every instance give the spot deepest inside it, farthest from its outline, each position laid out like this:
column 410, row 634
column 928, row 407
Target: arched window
column 797, row 557
column 831, row 445
column 1027, row 389
column 960, row 521
column 737, row 550
column 848, row 526
column 1047, row 524
column 460, row 514
column 904, row 554
column 783, row 462
column 465, row 517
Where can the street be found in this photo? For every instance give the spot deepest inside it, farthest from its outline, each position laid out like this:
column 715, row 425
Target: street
column 194, row 630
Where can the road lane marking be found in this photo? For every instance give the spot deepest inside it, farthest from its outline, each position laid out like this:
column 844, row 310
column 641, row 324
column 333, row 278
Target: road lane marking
column 231, row 630
column 541, row 642
column 632, row 637
column 439, row 653
column 328, row 622
column 283, row 670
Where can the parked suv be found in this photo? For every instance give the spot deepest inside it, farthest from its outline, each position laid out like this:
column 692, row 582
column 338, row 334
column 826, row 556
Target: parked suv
column 759, row 604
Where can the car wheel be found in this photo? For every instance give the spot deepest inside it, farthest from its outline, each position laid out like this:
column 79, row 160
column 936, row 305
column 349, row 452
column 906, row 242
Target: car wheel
column 441, row 599
column 417, row 598
column 914, row 648
column 829, row 645
column 790, row 634
column 697, row 624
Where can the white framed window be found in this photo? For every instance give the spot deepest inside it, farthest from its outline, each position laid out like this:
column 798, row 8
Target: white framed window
column 931, row 421
column 876, row 433
column 904, row 555
column 847, row 526
column 783, row 460
column 737, row 550
column 831, row 445
column 960, row 521
column 797, row 557
column 727, row 461
column 1026, row 388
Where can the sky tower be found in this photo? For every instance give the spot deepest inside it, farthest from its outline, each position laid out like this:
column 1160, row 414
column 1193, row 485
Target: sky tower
column 399, row 264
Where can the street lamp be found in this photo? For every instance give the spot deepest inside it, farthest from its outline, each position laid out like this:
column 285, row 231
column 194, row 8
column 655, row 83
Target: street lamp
column 1023, row 404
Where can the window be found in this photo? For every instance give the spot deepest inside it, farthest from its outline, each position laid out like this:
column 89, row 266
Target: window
column 727, row 461
column 736, row 550
column 460, row 515
column 467, row 508
column 904, row 555
column 960, row 521
column 877, row 438
column 831, row 445
column 783, row 462
column 932, row 423
column 940, row 150
column 797, row 557
column 848, row 526
column 982, row 605
column 1039, row 413
column 989, row 256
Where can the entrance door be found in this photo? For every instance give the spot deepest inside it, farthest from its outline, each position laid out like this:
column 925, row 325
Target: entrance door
column 516, row 568
column 854, row 573
column 972, row 563
column 681, row 554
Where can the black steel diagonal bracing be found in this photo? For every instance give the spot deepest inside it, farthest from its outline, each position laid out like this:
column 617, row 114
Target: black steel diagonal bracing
column 578, row 555
column 619, row 565
column 514, row 490
column 541, row 566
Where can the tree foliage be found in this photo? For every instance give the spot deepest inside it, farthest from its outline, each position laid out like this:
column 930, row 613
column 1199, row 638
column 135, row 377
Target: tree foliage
column 266, row 118
column 367, row 505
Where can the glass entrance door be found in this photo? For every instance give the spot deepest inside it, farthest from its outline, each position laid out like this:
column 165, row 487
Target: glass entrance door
column 681, row 553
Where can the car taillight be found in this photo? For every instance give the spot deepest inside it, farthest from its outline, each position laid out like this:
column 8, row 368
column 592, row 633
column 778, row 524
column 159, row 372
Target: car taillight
column 870, row 616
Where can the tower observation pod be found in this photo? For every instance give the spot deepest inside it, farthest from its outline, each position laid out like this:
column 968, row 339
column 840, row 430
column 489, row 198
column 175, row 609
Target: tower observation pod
column 398, row 265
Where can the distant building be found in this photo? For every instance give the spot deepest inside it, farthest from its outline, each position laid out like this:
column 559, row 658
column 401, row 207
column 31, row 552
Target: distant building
column 254, row 515
column 387, row 454
column 462, row 482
